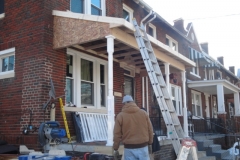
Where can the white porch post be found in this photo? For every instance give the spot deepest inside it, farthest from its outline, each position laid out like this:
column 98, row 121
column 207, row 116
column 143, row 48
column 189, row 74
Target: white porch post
column 185, row 116
column 110, row 98
column 220, row 99
column 166, row 66
column 236, row 103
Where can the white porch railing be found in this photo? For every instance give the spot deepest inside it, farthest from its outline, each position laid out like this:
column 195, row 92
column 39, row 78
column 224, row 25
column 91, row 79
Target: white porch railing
column 94, row 126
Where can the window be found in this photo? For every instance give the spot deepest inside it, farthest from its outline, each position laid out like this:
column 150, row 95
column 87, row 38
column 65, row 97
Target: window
column 7, row 63
column 176, row 98
column 152, row 30
column 231, row 109
column 88, row 76
column 193, row 57
column 171, row 43
column 129, row 75
column 228, row 79
column 127, row 13
column 93, row 7
column 2, row 9
column 196, row 104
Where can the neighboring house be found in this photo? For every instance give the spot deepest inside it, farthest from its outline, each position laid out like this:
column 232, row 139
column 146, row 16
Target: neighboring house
column 213, row 90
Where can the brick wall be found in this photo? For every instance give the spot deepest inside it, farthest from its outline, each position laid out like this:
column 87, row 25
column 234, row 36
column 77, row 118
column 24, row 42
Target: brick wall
column 114, row 8
column 166, row 153
column 29, row 30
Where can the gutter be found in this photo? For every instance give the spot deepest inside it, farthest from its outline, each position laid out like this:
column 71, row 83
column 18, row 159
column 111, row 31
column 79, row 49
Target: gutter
column 149, row 9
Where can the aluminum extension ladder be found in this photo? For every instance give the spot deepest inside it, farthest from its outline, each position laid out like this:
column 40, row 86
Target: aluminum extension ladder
column 170, row 117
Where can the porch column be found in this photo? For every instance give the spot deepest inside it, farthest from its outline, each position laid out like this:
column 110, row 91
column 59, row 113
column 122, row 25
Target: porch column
column 236, row 104
column 167, row 76
column 110, row 98
column 185, row 116
column 220, row 99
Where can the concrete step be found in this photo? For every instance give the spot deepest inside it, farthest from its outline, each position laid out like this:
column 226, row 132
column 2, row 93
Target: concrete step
column 230, row 157
column 214, row 147
column 207, row 158
column 219, row 154
column 201, row 154
column 204, row 144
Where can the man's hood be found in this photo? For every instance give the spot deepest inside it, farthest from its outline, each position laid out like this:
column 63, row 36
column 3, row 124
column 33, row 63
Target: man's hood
column 130, row 108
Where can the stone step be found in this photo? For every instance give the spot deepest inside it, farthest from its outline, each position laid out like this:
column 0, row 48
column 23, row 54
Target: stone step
column 214, row 147
column 230, row 157
column 201, row 154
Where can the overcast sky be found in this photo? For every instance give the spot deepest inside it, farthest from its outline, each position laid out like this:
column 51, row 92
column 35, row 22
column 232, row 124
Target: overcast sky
column 215, row 21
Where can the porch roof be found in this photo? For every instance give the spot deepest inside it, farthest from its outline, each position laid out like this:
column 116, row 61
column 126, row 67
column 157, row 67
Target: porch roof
column 66, row 34
column 210, row 86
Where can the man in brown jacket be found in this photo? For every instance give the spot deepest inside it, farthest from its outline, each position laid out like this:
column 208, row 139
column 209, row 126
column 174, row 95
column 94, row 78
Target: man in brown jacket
column 134, row 129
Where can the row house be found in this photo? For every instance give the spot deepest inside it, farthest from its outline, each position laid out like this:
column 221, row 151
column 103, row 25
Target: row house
column 213, row 90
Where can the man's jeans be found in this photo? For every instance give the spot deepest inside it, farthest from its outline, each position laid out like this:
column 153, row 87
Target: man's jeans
column 136, row 154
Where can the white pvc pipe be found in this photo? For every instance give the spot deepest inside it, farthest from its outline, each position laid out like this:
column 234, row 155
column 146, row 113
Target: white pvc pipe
column 147, row 95
column 143, row 102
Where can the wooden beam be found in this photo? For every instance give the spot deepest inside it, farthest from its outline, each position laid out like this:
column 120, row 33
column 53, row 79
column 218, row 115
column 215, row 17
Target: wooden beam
column 115, row 49
column 99, row 45
column 126, row 54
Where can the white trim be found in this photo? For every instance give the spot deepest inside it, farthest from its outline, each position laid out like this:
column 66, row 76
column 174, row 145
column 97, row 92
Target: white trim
column 7, row 51
column 195, row 75
column 130, row 11
column 154, row 30
column 7, row 74
column 2, row 15
column 171, row 40
column 77, row 56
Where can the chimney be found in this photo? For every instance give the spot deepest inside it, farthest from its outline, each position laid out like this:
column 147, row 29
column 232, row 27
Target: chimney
column 179, row 25
column 205, row 47
column 232, row 69
column 220, row 59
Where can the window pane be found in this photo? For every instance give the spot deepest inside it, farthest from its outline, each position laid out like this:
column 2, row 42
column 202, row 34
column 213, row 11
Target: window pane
column 101, row 74
column 96, row 3
column 150, row 31
column 128, row 88
column 11, row 63
column 180, row 108
column 77, row 6
column 5, row 64
column 69, row 90
column 96, row 11
column 127, row 72
column 86, row 93
column 102, row 95
column 1, row 6
column 167, row 42
column 193, row 110
column 174, row 46
column 174, row 104
column 86, row 70
column 173, row 92
column 198, row 110
column 192, row 98
column 126, row 16
column 197, row 99
column 69, row 71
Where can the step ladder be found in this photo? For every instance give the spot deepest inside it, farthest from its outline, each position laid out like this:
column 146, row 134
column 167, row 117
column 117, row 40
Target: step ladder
column 65, row 120
column 170, row 117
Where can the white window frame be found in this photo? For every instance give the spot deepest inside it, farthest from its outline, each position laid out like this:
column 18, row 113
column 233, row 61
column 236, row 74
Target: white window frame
column 87, row 7
column 195, row 70
column 3, row 54
column 200, row 97
column 171, row 40
column 77, row 56
column 129, row 10
column 178, row 98
column 2, row 15
column 154, row 30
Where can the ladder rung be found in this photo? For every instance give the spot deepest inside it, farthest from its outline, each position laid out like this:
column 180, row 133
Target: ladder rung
column 153, row 61
column 165, row 97
column 162, row 85
column 149, row 50
column 176, row 124
column 158, row 73
column 145, row 39
column 171, row 111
